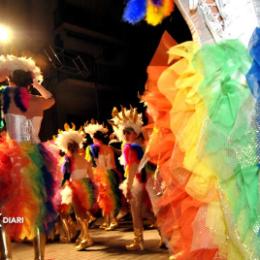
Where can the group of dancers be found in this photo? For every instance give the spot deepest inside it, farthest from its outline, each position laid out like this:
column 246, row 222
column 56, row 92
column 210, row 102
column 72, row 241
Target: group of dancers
column 66, row 181
column 197, row 163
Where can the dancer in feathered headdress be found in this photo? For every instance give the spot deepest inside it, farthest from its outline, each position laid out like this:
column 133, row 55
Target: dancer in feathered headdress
column 106, row 174
column 127, row 125
column 11, row 63
column 78, row 183
column 126, row 119
column 28, row 170
column 64, row 138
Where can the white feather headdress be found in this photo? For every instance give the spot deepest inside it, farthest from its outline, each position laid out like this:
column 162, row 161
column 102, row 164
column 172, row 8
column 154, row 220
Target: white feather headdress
column 92, row 127
column 68, row 135
column 126, row 118
column 10, row 63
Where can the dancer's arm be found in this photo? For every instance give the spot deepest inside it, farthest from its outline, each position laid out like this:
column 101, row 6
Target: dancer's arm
column 131, row 171
column 47, row 99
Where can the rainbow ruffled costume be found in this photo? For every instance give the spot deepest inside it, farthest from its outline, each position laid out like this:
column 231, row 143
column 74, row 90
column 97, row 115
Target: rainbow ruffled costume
column 106, row 179
column 29, row 172
column 77, row 187
column 133, row 154
column 79, row 190
column 209, row 159
column 29, row 181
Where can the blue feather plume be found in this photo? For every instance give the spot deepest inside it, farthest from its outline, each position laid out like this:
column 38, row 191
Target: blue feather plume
column 135, row 11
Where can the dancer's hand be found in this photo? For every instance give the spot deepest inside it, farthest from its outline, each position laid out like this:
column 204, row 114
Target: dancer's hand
column 42, row 90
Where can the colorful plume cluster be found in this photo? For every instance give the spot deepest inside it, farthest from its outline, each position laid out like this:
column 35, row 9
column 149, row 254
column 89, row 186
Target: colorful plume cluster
column 153, row 11
column 30, row 168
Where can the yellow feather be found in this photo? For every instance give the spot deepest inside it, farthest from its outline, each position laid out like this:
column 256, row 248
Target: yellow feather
column 155, row 14
column 66, row 126
column 114, row 111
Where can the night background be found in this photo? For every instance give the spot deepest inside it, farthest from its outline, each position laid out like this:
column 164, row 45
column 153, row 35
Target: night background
column 90, row 58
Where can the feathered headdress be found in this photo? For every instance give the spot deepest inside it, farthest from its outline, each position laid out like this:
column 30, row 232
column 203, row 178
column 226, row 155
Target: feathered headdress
column 92, row 127
column 68, row 135
column 10, row 63
column 126, row 118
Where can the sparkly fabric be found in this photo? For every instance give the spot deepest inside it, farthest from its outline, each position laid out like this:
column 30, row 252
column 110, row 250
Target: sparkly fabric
column 23, row 129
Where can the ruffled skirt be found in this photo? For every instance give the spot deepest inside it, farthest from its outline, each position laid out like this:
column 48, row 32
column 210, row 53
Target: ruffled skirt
column 29, row 180
column 109, row 196
column 210, row 207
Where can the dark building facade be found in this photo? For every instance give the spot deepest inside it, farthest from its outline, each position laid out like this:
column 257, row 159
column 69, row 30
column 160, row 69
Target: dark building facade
column 91, row 59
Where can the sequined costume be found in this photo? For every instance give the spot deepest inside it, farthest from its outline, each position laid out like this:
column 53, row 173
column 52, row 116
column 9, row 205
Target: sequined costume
column 31, row 179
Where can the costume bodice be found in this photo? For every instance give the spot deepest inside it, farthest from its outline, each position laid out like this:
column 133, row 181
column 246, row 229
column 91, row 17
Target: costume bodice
column 217, row 20
column 78, row 174
column 104, row 161
column 23, row 129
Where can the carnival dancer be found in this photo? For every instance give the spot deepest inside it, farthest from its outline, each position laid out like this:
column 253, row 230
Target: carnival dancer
column 27, row 169
column 127, row 125
column 78, row 186
column 106, row 174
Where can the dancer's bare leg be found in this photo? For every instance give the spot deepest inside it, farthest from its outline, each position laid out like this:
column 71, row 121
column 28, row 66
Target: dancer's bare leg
column 39, row 245
column 85, row 239
column 136, row 211
column 5, row 245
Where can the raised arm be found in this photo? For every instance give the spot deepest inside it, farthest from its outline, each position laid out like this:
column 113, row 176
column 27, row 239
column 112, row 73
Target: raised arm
column 46, row 99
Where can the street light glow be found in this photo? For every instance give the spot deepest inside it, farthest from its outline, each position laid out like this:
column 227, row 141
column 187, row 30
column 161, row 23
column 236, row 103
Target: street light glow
column 5, row 34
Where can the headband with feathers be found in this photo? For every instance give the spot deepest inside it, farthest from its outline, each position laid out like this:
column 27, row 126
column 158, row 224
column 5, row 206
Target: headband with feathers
column 10, row 63
column 92, row 127
column 69, row 135
column 126, row 118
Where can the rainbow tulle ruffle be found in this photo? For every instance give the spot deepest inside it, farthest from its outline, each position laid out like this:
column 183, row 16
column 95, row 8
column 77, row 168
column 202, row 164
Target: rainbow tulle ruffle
column 83, row 195
column 29, row 187
column 109, row 196
column 210, row 208
column 107, row 183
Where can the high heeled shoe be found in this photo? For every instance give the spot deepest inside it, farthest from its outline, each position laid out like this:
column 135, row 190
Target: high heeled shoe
column 84, row 239
column 103, row 225
column 138, row 242
column 112, row 226
column 85, row 243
